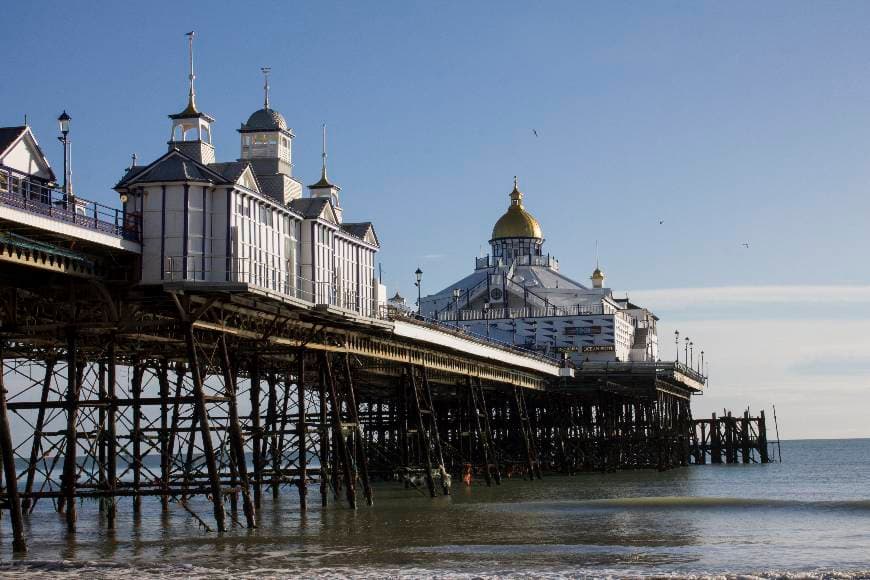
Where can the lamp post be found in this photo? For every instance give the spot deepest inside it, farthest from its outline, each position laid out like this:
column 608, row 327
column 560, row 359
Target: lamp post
column 686, row 352
column 702, row 362
column 486, row 317
column 63, row 122
column 419, row 285
column 691, row 354
column 456, row 293
column 677, row 342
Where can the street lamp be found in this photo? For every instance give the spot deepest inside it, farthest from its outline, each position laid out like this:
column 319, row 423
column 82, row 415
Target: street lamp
column 456, row 293
column 486, row 317
column 677, row 342
column 702, row 362
column 418, row 284
column 691, row 354
column 686, row 352
column 63, row 122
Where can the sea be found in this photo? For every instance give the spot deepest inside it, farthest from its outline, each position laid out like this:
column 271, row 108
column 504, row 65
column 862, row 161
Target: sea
column 806, row 517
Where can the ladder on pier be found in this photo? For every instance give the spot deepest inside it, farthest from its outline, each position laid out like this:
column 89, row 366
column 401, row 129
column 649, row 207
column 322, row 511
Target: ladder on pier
column 527, row 433
column 427, row 431
column 484, row 432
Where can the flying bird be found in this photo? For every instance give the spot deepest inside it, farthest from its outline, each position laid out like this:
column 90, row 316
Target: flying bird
column 535, row 132
column 661, row 222
column 745, row 244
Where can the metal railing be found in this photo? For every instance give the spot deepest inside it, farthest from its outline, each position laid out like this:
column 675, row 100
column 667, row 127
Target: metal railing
column 525, row 312
column 22, row 191
column 523, row 260
column 628, row 366
column 280, row 282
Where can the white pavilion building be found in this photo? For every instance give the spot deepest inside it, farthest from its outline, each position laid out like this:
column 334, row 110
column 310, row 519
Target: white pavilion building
column 247, row 221
column 517, row 295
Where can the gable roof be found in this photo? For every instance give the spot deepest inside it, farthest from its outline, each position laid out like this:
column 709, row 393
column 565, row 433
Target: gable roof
column 173, row 166
column 362, row 230
column 11, row 136
column 236, row 171
column 231, row 170
column 314, row 207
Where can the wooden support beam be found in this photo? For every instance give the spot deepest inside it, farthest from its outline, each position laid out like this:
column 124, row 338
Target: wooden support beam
column 7, row 454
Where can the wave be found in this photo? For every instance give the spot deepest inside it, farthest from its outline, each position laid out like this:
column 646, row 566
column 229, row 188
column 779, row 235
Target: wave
column 691, row 503
column 92, row 570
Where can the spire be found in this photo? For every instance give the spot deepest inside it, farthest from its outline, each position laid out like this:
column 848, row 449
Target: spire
column 596, row 255
column 323, row 155
column 191, row 98
column 324, row 182
column 597, row 275
column 266, row 70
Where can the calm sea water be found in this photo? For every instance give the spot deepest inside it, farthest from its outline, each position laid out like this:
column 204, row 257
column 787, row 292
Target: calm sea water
column 809, row 516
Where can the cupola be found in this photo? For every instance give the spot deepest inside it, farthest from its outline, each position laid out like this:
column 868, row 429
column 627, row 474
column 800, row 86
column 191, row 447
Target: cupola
column 191, row 128
column 267, row 146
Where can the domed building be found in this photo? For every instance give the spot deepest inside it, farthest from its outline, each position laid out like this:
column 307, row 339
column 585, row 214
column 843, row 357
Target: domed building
column 517, row 295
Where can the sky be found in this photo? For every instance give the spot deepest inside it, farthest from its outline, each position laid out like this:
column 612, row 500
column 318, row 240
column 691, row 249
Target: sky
column 731, row 123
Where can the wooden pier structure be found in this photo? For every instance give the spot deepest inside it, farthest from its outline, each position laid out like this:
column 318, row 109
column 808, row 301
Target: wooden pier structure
column 729, row 439
column 121, row 393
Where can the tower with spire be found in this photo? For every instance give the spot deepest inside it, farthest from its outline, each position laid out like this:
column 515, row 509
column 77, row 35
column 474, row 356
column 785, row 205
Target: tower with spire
column 191, row 128
column 324, row 188
column 267, row 145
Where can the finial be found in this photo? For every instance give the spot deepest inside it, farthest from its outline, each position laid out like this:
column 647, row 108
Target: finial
column 191, row 102
column 516, row 194
column 323, row 170
column 266, row 70
column 26, row 124
column 134, row 157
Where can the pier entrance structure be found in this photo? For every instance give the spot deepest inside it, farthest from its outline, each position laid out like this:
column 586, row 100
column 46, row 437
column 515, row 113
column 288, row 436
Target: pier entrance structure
column 220, row 335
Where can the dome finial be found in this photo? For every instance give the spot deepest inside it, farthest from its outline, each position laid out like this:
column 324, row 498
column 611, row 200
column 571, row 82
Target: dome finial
column 265, row 70
column 516, row 194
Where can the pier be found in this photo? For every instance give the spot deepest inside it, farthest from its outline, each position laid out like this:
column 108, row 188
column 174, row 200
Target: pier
column 121, row 392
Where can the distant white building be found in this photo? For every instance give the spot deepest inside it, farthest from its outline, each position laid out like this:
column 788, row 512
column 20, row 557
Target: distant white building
column 517, row 295
column 247, row 221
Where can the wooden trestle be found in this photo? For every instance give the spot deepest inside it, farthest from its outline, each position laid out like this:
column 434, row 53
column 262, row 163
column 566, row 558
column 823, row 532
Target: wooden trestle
column 729, row 439
column 113, row 391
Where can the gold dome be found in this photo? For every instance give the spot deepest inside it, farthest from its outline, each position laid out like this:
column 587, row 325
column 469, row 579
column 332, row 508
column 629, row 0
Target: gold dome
column 516, row 221
column 598, row 274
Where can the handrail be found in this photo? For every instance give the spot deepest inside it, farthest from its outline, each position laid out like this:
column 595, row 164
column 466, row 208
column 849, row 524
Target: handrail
column 271, row 279
column 22, row 191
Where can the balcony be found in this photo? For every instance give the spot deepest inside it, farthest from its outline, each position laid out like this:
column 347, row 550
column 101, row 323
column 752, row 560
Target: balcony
column 20, row 191
column 493, row 262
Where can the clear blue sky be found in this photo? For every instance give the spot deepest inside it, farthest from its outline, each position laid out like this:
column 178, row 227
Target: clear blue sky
column 732, row 122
